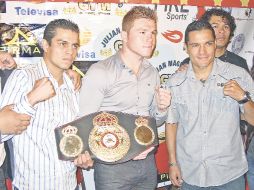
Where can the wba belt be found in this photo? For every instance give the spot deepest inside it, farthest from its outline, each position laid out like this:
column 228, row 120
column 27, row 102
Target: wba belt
column 110, row 137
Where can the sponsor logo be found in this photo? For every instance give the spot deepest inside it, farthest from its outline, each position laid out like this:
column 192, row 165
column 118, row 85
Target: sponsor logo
column 85, row 54
column 246, row 15
column 118, row 45
column 94, row 8
column 106, row 52
column 85, row 37
column 69, row 10
column 175, row 12
column 21, row 41
column 156, row 53
column 164, row 78
column 238, row 43
column 248, row 12
column 119, row 11
column 163, row 180
column 174, row 36
column 112, row 34
column 170, row 63
column 36, row 12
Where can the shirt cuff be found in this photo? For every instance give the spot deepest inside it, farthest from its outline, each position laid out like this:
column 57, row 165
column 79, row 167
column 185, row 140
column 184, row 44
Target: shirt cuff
column 160, row 116
column 24, row 107
column 6, row 137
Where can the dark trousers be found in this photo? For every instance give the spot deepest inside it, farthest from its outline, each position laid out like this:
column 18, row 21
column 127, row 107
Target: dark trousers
column 131, row 175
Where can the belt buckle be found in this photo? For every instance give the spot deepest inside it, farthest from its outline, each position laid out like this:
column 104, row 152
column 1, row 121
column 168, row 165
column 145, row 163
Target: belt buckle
column 108, row 141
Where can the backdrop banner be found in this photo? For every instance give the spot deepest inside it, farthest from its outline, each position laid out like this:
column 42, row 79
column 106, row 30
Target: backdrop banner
column 22, row 25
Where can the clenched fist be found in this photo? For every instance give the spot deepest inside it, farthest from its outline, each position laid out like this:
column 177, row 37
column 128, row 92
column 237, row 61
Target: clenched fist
column 163, row 98
column 43, row 90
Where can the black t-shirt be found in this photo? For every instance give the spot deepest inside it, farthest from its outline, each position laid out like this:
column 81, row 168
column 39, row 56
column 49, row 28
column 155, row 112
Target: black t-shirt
column 228, row 57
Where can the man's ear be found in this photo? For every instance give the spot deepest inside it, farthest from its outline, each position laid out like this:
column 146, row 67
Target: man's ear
column 185, row 48
column 45, row 45
column 124, row 36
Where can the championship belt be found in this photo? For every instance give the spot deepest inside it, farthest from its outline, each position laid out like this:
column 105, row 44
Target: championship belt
column 110, row 137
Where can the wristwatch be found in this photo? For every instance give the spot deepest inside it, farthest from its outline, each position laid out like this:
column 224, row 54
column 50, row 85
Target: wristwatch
column 245, row 99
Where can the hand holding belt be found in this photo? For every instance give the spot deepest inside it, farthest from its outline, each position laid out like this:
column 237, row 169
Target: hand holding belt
column 111, row 137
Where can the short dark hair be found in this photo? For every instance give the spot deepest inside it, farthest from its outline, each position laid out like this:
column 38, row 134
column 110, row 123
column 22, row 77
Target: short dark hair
column 222, row 13
column 137, row 12
column 197, row 26
column 50, row 30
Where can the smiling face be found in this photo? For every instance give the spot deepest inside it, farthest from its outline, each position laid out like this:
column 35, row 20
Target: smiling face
column 201, row 48
column 222, row 30
column 60, row 54
column 140, row 40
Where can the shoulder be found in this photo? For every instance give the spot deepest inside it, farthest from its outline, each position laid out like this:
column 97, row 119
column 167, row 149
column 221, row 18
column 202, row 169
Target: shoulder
column 235, row 56
column 100, row 71
column 29, row 69
column 102, row 66
column 24, row 71
column 150, row 67
column 177, row 78
column 237, row 60
column 185, row 61
column 230, row 69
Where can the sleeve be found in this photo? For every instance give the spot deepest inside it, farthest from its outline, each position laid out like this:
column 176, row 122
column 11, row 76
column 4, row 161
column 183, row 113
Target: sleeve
column 172, row 115
column 5, row 138
column 15, row 91
column 94, row 85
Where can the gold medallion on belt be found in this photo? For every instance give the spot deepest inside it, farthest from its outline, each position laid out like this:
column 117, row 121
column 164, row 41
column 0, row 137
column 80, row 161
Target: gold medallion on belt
column 144, row 135
column 71, row 145
column 108, row 141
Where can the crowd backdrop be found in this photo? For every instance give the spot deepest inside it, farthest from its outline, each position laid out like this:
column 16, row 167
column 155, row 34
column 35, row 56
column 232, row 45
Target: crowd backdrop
column 22, row 24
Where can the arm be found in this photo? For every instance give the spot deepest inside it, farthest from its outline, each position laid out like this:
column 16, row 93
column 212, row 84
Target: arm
column 18, row 85
column 12, row 95
column 75, row 77
column 249, row 112
column 160, row 104
column 235, row 91
column 174, row 170
column 12, row 122
column 42, row 90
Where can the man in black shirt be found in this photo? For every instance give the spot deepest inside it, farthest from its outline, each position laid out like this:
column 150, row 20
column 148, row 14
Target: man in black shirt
column 224, row 26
